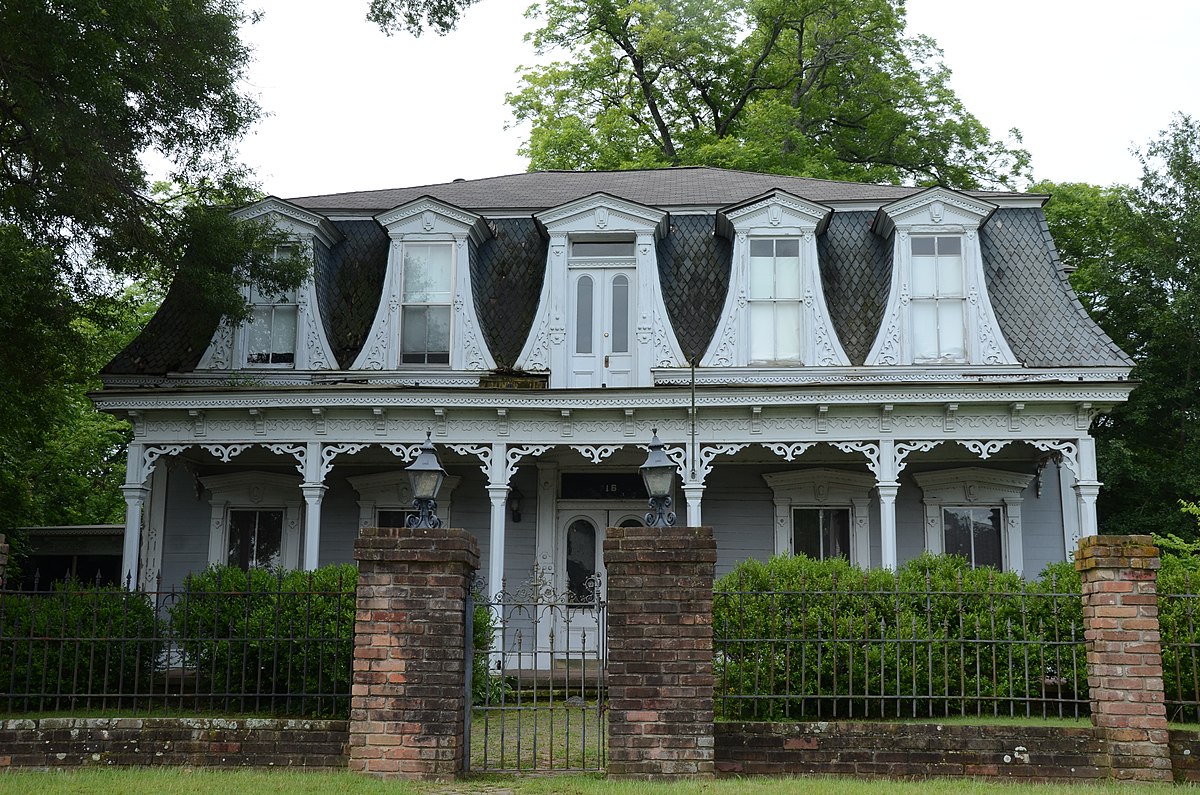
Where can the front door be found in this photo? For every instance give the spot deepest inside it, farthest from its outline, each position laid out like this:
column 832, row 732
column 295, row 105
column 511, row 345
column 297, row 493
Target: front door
column 602, row 301
column 583, row 577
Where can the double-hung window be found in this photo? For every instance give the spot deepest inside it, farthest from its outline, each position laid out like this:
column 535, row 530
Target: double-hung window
column 821, row 533
column 974, row 532
column 255, row 538
column 425, row 303
column 271, row 336
column 938, row 299
column 774, row 297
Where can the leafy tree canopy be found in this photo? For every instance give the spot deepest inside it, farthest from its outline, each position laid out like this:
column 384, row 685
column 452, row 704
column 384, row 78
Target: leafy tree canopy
column 820, row 88
column 413, row 16
column 1136, row 251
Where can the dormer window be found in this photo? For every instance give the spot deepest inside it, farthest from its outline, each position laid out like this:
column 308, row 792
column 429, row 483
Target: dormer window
column 271, row 332
column 773, row 294
column 938, row 299
column 426, row 298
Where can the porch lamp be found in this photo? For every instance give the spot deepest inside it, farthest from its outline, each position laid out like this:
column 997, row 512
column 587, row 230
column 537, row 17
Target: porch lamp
column 425, row 475
column 658, row 473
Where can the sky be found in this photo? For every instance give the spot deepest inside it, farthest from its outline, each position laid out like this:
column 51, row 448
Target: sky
column 352, row 109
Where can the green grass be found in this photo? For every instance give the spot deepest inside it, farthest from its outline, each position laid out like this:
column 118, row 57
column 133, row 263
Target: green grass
column 203, row 782
column 515, row 739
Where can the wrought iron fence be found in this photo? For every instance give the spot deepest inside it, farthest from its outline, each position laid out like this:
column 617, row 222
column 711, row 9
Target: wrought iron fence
column 227, row 642
column 871, row 650
column 541, row 703
column 1179, row 625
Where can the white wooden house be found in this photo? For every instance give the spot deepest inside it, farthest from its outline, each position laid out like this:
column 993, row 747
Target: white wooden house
column 838, row 369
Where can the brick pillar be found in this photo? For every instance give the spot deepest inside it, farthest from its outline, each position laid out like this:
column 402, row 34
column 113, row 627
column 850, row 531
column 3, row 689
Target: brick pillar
column 408, row 701
column 1124, row 654
column 660, row 675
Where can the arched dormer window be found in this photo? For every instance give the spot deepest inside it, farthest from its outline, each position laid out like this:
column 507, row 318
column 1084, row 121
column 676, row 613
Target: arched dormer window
column 284, row 331
column 938, row 310
column 426, row 318
column 775, row 313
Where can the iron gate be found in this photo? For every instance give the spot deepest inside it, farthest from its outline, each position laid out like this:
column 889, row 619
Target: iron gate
column 536, row 687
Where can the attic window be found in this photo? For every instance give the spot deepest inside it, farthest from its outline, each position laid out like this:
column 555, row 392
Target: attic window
column 271, row 334
column 938, row 298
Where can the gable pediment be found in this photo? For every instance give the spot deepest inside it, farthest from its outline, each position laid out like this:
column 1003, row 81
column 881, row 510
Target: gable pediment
column 290, row 219
column 427, row 215
column 602, row 212
column 777, row 212
column 940, row 207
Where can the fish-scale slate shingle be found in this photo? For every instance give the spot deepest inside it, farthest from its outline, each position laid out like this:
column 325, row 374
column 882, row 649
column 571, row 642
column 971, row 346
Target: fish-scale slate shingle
column 506, row 275
column 174, row 339
column 693, row 268
column 856, row 272
column 358, row 266
column 1038, row 313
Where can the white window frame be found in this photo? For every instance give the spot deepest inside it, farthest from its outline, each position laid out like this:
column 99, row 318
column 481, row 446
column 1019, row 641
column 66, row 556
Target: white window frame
column 939, row 297
column 448, row 304
column 392, row 491
column 821, row 487
column 976, row 487
column 254, row 491
column 288, row 299
column 775, row 303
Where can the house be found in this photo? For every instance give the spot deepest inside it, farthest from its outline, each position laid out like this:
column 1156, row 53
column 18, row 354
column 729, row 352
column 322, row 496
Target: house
column 837, row 369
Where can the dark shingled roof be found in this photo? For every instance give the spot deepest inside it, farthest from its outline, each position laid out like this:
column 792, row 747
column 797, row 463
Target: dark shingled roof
column 1035, row 306
column 1037, row 310
column 665, row 187
column 506, row 277
column 693, row 269
column 856, row 272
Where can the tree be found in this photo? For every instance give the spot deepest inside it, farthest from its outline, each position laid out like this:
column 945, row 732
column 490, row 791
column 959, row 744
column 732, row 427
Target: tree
column 1137, row 253
column 823, row 88
column 413, row 16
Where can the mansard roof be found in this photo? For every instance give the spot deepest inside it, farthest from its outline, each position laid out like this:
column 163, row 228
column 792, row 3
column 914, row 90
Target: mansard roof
column 1034, row 305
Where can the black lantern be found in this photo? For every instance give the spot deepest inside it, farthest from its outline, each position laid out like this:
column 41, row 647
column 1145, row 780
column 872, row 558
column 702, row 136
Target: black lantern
column 425, row 475
column 658, row 473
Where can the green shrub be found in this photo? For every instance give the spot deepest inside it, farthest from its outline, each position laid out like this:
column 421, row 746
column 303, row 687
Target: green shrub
column 258, row 639
column 76, row 642
column 796, row 637
column 1179, row 625
column 486, row 687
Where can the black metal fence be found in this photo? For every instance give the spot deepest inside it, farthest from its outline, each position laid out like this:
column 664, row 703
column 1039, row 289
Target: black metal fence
column 864, row 649
column 540, row 704
column 1179, row 622
column 228, row 642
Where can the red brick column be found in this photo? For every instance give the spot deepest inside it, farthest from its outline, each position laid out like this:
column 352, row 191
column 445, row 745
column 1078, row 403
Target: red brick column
column 1124, row 655
column 660, row 677
column 408, row 701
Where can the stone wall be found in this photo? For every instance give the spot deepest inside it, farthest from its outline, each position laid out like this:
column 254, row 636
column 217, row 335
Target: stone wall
column 61, row 743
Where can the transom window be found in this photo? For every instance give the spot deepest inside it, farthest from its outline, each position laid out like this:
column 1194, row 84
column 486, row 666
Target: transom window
column 425, row 303
column 255, row 538
column 821, row 533
column 973, row 532
column 602, row 248
column 774, row 296
column 938, row 299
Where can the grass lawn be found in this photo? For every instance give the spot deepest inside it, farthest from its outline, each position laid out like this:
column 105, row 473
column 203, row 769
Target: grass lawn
column 203, row 782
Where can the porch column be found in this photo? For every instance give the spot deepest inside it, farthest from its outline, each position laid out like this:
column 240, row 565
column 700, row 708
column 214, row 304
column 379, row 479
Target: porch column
column 135, row 500
column 887, row 485
column 314, row 493
column 1087, row 487
column 692, row 494
column 498, row 493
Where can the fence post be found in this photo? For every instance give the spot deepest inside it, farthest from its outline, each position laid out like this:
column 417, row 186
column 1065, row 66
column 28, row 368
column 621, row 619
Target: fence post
column 1124, row 653
column 408, row 703
column 660, row 651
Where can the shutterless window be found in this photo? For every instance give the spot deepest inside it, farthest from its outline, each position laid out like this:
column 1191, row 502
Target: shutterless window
column 255, row 538
column 821, row 533
column 774, row 296
column 974, row 533
column 602, row 248
column 271, row 336
column 938, row 299
column 425, row 297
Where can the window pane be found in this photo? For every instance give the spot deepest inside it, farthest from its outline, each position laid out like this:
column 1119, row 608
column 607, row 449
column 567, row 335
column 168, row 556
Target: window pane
column 922, row 246
column 581, row 557
column 836, row 532
column 283, row 333
column 806, row 532
column 925, row 335
column 762, row 277
column 956, row 523
column 950, row 276
column 986, row 527
column 583, row 315
column 604, row 248
column 254, row 539
column 787, row 247
column 762, row 332
column 762, row 248
column 924, row 276
column 426, row 273
column 787, row 332
column 414, row 327
column 258, row 343
column 391, row 518
column 787, row 277
column 950, row 329
column 438, row 334
column 620, row 314
column 949, row 246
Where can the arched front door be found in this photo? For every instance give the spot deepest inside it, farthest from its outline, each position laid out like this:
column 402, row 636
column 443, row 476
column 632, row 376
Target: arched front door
column 582, row 574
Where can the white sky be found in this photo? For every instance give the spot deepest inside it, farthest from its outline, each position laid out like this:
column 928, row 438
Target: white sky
column 352, row 109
